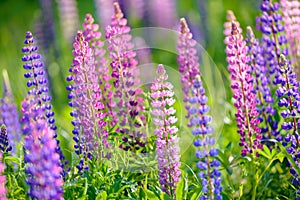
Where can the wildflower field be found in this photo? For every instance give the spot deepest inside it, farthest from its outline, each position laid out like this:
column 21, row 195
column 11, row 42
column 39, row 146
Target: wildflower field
column 159, row 100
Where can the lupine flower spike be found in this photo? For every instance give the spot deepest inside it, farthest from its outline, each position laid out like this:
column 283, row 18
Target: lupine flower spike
column 187, row 60
column 204, row 142
column 245, row 97
column 129, row 103
column 289, row 102
column 85, row 99
column 261, row 82
column 42, row 163
column 4, row 145
column 273, row 39
column 3, row 190
column 291, row 19
column 167, row 142
column 10, row 115
column 38, row 96
column 230, row 17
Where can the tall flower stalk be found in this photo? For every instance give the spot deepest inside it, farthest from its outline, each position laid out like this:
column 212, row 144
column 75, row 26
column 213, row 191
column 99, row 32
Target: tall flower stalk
column 188, row 60
column 129, row 103
column 167, row 142
column 261, row 82
column 85, row 97
column 289, row 102
column 204, row 142
column 245, row 97
column 38, row 98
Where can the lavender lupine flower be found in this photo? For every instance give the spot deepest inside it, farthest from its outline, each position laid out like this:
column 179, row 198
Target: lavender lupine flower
column 85, row 99
column 4, row 144
column 245, row 97
column 42, row 163
column 162, row 13
column 167, row 142
column 105, row 10
column 46, row 21
column 92, row 35
column 3, row 190
column 129, row 103
column 10, row 115
column 273, row 38
column 291, row 18
column 68, row 14
column 206, row 153
column 269, row 126
column 38, row 96
column 289, row 102
column 188, row 60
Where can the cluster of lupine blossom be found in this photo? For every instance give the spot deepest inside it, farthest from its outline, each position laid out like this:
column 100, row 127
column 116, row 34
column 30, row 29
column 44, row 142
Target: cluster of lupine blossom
column 105, row 94
column 264, row 80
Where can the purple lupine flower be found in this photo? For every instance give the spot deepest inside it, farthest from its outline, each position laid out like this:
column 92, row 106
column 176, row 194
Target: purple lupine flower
column 10, row 115
column 188, row 60
column 46, row 21
column 4, row 144
column 289, row 102
column 3, row 190
column 167, row 141
column 261, row 83
column 206, row 153
column 291, row 19
column 273, row 38
column 129, row 103
column 162, row 13
column 92, row 35
column 68, row 14
column 38, row 95
column 105, row 10
column 42, row 162
column 245, row 97
column 85, row 99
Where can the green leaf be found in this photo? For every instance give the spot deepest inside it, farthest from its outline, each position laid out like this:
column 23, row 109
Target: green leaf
column 101, row 196
column 179, row 189
column 280, row 156
column 150, row 194
column 289, row 157
column 267, row 150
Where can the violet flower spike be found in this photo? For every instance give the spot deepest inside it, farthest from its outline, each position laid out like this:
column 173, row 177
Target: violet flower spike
column 188, row 60
column 262, row 89
column 37, row 104
column 42, row 163
column 129, row 105
column 167, row 151
column 245, row 98
column 204, row 141
column 85, row 99
column 273, row 39
column 4, row 144
column 10, row 115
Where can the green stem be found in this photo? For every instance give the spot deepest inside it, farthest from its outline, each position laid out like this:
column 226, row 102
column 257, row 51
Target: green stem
column 256, row 179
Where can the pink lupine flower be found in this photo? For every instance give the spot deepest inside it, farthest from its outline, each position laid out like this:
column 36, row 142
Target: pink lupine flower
column 167, row 142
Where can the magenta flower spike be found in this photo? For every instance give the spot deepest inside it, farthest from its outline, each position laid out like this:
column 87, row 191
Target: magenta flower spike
column 188, row 60
column 245, row 97
column 230, row 17
column 42, row 163
column 85, row 97
column 3, row 190
column 129, row 105
column 167, row 149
